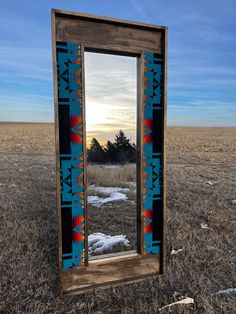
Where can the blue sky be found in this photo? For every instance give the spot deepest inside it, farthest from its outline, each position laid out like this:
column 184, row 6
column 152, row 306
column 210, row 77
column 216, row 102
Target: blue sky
column 202, row 56
column 111, row 99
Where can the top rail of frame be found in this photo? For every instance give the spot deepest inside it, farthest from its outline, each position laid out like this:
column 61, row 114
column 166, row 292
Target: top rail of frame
column 110, row 20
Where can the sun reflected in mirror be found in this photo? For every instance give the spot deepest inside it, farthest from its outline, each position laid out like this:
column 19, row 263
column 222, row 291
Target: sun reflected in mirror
column 111, row 105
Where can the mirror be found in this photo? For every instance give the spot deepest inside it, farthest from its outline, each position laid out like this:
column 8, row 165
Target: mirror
column 111, row 110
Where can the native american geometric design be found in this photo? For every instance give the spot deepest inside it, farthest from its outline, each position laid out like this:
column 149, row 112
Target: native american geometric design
column 152, row 152
column 71, row 153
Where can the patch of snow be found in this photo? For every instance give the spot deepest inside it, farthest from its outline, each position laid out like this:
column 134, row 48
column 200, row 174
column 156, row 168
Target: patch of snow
column 107, row 190
column 97, row 201
column 101, row 243
column 94, row 200
column 107, row 166
column 115, row 197
column 227, row 291
column 110, row 166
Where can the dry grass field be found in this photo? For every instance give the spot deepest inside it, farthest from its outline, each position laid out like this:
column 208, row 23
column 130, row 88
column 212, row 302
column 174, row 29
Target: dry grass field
column 116, row 217
column 201, row 189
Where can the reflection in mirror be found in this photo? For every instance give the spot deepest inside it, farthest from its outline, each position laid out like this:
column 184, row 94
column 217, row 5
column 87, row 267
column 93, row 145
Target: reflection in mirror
column 111, row 103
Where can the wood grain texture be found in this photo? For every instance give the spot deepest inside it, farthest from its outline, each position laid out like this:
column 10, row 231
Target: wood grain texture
column 107, row 274
column 163, row 261
column 57, row 149
column 139, row 169
column 85, row 157
column 97, row 34
column 111, row 256
column 105, row 19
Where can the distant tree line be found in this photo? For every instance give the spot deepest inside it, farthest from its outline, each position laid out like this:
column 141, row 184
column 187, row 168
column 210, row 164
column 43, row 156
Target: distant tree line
column 121, row 151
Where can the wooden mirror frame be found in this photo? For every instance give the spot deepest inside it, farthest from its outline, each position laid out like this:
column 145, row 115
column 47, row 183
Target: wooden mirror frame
column 73, row 34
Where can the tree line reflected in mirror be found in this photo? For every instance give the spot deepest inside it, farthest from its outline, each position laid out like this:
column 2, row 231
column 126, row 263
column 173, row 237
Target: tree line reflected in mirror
column 111, row 153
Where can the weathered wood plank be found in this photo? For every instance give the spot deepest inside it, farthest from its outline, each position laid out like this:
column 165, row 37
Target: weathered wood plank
column 102, row 35
column 58, row 205
column 85, row 157
column 86, row 16
column 139, row 168
column 109, row 273
column 163, row 261
column 109, row 256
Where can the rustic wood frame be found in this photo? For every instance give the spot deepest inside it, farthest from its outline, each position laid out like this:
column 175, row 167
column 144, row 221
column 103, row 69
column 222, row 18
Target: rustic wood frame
column 109, row 35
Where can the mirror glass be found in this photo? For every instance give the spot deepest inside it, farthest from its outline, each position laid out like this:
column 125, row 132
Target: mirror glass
column 111, row 110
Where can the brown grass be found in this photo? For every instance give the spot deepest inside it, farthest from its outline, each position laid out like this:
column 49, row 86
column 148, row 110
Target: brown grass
column 102, row 176
column 28, row 242
column 34, row 138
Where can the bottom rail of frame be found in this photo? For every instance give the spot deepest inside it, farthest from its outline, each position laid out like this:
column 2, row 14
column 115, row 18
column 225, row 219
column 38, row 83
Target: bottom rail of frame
column 108, row 272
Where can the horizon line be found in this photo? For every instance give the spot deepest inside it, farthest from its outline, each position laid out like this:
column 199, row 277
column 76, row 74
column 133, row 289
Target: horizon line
column 168, row 125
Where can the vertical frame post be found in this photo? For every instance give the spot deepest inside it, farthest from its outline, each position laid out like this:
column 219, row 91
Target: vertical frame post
column 153, row 153
column 71, row 151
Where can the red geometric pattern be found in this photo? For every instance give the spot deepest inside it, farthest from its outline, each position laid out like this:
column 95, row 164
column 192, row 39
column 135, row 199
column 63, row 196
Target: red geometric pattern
column 78, row 228
column 76, row 125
